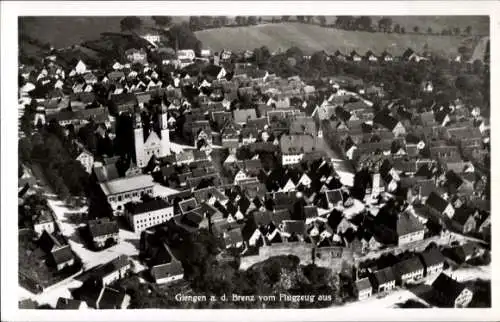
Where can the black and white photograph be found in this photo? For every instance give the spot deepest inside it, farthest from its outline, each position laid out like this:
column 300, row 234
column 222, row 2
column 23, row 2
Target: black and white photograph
column 251, row 161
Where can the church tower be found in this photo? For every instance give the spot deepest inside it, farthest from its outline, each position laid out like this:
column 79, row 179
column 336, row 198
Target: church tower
column 139, row 141
column 164, row 132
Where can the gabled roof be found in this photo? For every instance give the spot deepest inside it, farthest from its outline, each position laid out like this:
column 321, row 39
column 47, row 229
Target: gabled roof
column 363, row 284
column 101, row 227
column 436, row 202
column 407, row 224
column 167, row 270
column 385, row 120
column 146, row 206
column 447, row 285
column 384, row 275
column 431, row 257
column 409, row 265
column 463, row 214
column 111, row 298
column 62, row 255
column 68, row 304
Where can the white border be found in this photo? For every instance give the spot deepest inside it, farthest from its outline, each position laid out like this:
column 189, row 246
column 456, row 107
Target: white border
column 11, row 10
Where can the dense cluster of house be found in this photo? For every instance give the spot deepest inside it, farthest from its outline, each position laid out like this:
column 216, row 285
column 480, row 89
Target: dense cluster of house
column 261, row 167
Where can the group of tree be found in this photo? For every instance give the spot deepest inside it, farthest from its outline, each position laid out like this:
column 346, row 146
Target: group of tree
column 51, row 149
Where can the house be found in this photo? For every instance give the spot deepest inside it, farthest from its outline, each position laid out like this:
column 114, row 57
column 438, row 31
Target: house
column 44, row 222
column 363, row 288
column 370, row 56
column 451, row 293
column 87, row 160
column 70, row 304
column 243, row 116
column 120, row 191
column 433, row 261
column 409, row 270
column 136, row 56
column 80, row 67
column 293, row 147
column 390, row 123
column 409, row 229
column 233, row 238
column 354, row 56
column 63, row 257
column 440, row 206
column 112, row 271
column 112, row 299
column 386, row 57
column 148, row 213
column 463, row 220
column 103, row 232
column 168, row 272
column 465, row 252
column 384, row 279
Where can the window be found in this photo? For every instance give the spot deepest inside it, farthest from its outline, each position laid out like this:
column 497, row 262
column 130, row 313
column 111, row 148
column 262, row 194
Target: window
column 119, row 198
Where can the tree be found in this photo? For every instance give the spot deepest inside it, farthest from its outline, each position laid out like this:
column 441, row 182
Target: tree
column 260, row 19
column 309, row 19
column 318, row 61
column 162, row 21
column 385, row 24
column 301, row 19
column 429, row 30
column 181, row 35
column 194, row 22
column 130, row 23
column 240, row 20
column 468, row 30
column 416, row 29
column 364, row 23
column 456, row 31
column 285, row 18
column 403, row 30
column 322, row 20
column 397, row 28
column 252, row 20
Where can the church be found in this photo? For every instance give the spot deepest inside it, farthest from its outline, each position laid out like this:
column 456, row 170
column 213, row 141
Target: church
column 157, row 142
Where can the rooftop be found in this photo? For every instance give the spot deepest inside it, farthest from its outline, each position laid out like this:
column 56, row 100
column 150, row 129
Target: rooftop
column 126, row 184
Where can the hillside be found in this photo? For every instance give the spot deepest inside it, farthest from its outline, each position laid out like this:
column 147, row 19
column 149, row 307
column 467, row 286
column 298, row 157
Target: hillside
column 311, row 38
column 479, row 24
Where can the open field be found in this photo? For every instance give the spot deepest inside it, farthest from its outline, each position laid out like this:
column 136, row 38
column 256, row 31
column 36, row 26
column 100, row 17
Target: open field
column 311, row 38
column 67, row 31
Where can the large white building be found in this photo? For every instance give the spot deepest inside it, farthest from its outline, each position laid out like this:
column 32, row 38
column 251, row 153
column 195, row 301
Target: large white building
column 157, row 144
column 120, row 191
column 142, row 215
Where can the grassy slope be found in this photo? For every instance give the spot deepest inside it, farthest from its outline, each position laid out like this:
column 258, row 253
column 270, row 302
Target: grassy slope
column 313, row 38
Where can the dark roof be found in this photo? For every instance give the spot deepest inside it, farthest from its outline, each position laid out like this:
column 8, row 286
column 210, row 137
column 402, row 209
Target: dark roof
column 111, row 298
column 462, row 214
column 447, row 285
column 384, row 275
column 62, row 255
column 385, row 120
column 294, row 226
column 432, row 256
column 146, row 206
column 436, row 202
column 408, row 224
column 334, row 196
column 363, row 284
column 233, row 236
column 167, row 270
column 187, row 205
column 310, row 211
column 409, row 265
column 112, row 266
column 68, row 304
column 102, row 227
column 280, row 215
